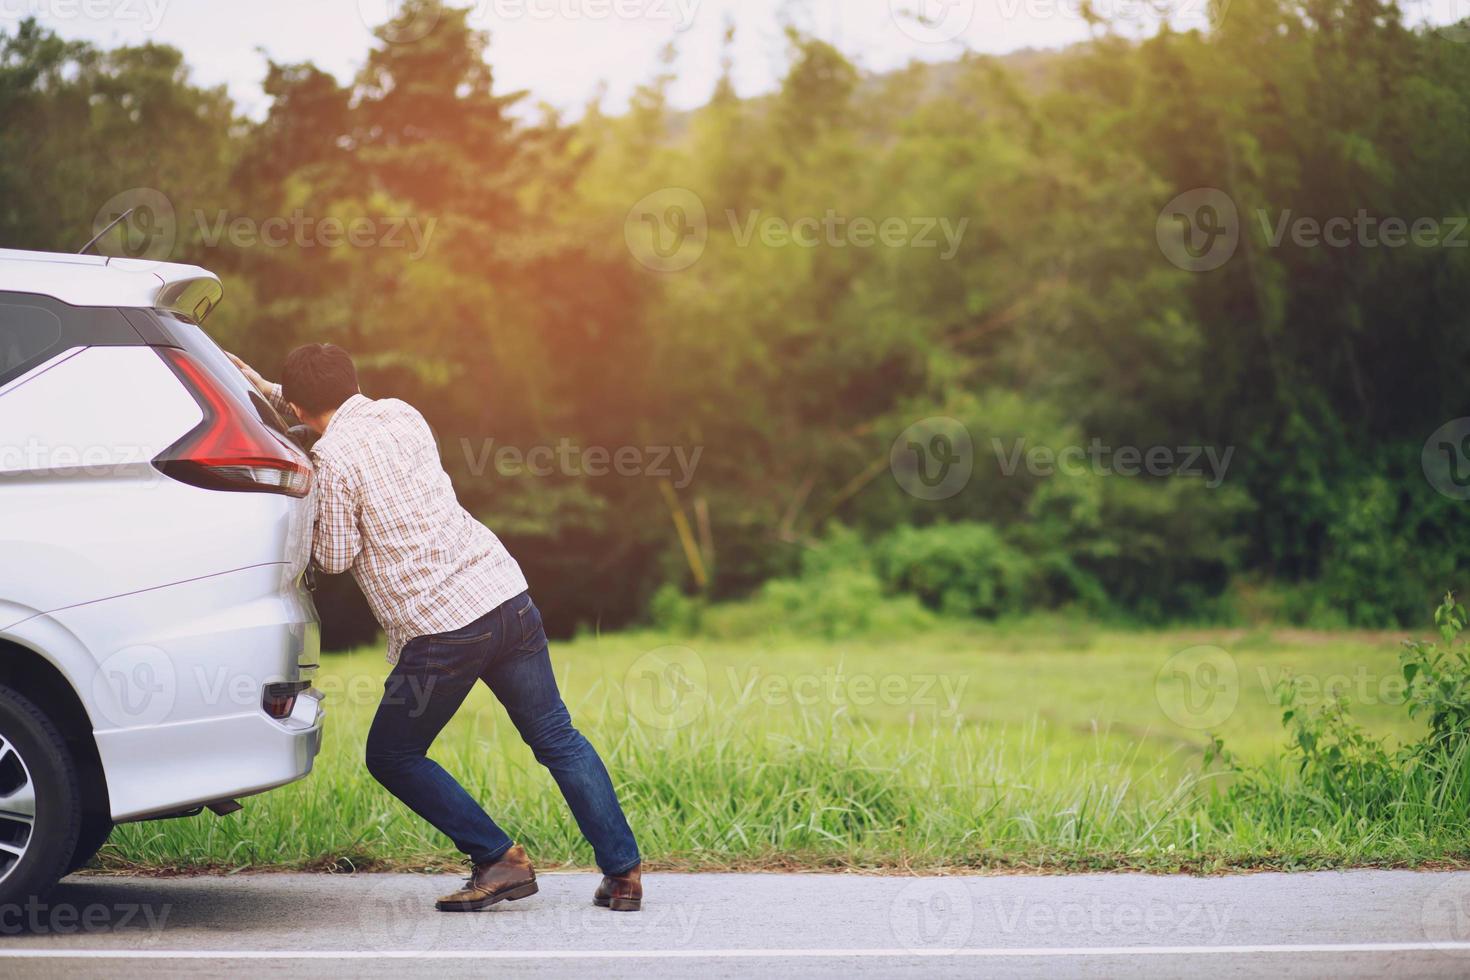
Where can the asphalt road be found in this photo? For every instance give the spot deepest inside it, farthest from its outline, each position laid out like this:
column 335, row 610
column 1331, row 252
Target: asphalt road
column 1351, row 924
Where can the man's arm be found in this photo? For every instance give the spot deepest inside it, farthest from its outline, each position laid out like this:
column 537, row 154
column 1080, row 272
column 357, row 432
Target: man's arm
column 337, row 542
column 271, row 392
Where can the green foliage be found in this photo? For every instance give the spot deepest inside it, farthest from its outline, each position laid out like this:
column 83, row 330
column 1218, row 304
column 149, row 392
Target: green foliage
column 674, row 612
column 841, row 603
column 836, row 595
column 1056, row 759
column 1156, row 549
column 958, row 569
column 1338, row 762
column 1051, row 319
column 79, row 125
column 836, row 604
column 1344, row 774
column 1439, row 679
column 1387, row 534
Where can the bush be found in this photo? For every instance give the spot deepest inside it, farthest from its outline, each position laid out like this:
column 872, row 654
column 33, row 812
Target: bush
column 674, row 612
column 1344, row 776
column 963, row 569
column 837, row 605
column 1439, row 679
column 1387, row 546
column 837, row 596
column 1155, row 548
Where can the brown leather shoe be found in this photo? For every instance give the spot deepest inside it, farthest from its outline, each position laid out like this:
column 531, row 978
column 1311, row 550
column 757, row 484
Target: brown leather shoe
column 621, row 893
column 505, row 880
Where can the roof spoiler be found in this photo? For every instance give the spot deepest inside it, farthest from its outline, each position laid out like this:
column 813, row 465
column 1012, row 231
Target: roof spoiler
column 193, row 299
column 185, row 290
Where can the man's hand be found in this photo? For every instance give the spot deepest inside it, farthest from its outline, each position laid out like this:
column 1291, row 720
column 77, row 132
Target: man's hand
column 253, row 376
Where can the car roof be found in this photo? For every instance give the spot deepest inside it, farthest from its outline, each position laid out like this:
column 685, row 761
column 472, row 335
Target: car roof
column 100, row 280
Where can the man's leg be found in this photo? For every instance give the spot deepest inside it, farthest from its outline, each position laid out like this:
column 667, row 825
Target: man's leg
column 520, row 674
column 422, row 693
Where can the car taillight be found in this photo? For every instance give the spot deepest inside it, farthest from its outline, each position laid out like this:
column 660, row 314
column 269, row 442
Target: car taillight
column 279, row 700
column 230, row 449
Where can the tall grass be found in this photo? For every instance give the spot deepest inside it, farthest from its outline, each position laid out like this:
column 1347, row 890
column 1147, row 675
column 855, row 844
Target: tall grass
column 741, row 791
column 1342, row 787
column 1053, row 781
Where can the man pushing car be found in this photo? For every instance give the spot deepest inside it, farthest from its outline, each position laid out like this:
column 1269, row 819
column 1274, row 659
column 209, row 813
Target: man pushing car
column 456, row 610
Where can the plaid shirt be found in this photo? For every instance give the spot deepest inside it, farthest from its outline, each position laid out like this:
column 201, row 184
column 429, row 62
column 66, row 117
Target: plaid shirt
column 387, row 511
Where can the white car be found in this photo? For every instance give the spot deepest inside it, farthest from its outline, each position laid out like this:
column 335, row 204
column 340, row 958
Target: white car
column 157, row 644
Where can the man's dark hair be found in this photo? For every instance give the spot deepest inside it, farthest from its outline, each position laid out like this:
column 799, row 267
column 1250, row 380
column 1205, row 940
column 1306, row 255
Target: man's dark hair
column 319, row 377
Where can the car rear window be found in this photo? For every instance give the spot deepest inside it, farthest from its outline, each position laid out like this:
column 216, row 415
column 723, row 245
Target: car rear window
column 179, row 332
column 25, row 333
column 34, row 329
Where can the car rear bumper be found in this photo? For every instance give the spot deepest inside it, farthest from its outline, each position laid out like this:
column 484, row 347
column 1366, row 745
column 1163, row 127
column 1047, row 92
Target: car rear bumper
column 175, row 680
column 208, row 760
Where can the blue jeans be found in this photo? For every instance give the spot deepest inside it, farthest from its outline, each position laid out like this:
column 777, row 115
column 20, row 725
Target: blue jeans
column 506, row 648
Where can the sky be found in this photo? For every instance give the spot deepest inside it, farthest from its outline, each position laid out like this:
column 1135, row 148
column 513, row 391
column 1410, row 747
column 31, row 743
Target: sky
column 561, row 50
column 564, row 51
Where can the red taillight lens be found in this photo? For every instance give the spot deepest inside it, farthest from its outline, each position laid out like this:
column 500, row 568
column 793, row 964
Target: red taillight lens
column 279, row 700
column 230, row 449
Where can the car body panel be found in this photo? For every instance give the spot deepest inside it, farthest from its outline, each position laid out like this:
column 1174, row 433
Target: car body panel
column 149, row 777
column 97, row 280
column 167, row 607
column 87, row 516
column 172, row 679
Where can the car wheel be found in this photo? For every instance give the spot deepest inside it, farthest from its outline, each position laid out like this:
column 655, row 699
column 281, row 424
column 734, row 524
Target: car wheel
column 96, row 828
column 40, row 802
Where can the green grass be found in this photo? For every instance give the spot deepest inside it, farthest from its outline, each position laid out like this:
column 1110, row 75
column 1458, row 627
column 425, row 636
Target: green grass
column 1046, row 744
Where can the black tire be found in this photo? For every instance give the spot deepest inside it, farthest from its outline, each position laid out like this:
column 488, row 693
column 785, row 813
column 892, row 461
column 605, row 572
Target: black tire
column 33, row 750
column 95, row 829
